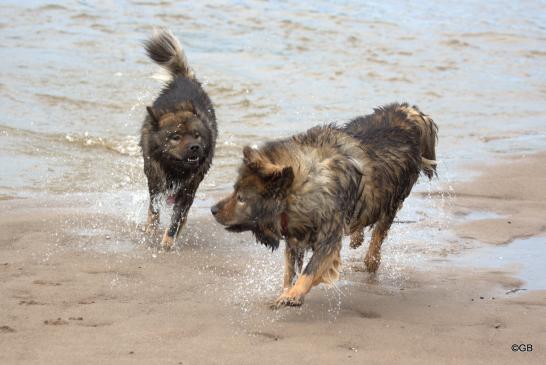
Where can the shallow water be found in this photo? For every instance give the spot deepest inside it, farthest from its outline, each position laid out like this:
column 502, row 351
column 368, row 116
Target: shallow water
column 75, row 83
column 524, row 258
column 75, row 79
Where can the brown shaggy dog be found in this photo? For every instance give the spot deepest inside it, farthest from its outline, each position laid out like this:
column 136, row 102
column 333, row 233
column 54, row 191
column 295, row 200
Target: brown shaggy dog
column 313, row 188
column 178, row 137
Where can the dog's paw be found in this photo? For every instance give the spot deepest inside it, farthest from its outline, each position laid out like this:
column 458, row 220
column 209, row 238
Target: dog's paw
column 151, row 229
column 372, row 263
column 167, row 243
column 286, row 300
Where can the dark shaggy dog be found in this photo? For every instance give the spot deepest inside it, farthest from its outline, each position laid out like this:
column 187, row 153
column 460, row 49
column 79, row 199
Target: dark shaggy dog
column 178, row 136
column 315, row 187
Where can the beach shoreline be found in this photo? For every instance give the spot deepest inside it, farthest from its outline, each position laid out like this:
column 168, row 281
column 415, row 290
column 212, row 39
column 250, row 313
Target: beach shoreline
column 104, row 296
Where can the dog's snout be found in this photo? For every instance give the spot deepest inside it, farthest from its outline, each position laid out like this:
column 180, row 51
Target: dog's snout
column 195, row 148
column 214, row 210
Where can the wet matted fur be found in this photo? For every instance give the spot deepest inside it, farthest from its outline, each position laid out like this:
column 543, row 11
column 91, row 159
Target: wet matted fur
column 314, row 187
column 178, row 136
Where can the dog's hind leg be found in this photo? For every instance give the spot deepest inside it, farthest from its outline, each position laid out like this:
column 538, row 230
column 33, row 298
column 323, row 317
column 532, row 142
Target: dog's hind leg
column 379, row 233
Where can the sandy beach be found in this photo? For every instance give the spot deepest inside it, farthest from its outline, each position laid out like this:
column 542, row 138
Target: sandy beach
column 68, row 302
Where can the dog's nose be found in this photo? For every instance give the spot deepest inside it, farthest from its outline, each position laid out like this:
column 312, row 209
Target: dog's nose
column 214, row 209
column 195, row 148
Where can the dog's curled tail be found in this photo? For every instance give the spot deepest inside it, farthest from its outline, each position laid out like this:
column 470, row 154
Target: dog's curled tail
column 429, row 138
column 165, row 50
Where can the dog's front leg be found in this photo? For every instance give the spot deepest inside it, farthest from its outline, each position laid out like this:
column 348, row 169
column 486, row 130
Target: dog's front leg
column 293, row 262
column 289, row 263
column 300, row 253
column 182, row 205
column 152, row 223
column 357, row 238
column 323, row 267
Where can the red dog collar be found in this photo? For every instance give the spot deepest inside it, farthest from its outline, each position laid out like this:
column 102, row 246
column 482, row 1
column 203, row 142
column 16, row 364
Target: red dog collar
column 284, row 224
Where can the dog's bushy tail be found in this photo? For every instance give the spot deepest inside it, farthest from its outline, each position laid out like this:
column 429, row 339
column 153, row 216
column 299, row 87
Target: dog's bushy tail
column 165, row 50
column 429, row 138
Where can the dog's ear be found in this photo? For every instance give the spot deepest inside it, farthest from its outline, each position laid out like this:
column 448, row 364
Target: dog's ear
column 278, row 184
column 251, row 158
column 151, row 113
column 256, row 161
column 284, row 179
column 277, row 177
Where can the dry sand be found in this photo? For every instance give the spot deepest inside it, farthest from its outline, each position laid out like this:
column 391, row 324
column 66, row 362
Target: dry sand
column 98, row 297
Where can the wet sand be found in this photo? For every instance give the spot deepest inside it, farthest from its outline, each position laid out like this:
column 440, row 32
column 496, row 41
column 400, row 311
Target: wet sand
column 84, row 288
column 515, row 190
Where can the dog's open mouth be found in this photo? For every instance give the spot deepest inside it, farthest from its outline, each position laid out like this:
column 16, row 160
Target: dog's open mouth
column 192, row 159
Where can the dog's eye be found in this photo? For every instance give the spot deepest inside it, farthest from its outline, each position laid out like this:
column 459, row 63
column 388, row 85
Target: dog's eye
column 240, row 198
column 175, row 137
column 196, row 135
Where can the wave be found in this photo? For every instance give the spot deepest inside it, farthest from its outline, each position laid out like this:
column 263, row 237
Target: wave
column 54, row 100
column 127, row 145
column 123, row 145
